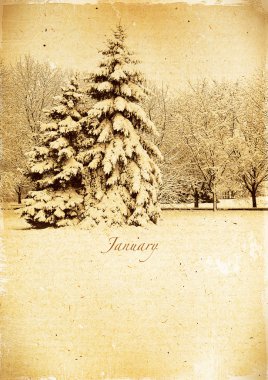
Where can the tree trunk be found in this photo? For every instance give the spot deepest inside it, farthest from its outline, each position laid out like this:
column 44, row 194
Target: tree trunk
column 196, row 199
column 254, row 199
column 214, row 198
column 214, row 202
column 19, row 196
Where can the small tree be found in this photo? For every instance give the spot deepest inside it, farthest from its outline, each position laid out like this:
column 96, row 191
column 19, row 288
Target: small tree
column 182, row 181
column 123, row 177
column 54, row 167
column 14, row 183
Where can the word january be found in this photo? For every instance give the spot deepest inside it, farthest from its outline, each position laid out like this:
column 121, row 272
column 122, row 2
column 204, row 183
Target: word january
column 116, row 245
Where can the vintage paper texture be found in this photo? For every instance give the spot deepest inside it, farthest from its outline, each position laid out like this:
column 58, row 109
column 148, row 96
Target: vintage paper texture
column 196, row 309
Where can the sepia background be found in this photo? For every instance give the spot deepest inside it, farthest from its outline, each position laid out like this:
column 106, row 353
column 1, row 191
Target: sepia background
column 197, row 308
column 175, row 42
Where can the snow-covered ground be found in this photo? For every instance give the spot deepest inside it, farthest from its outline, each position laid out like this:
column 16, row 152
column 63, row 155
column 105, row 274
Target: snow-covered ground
column 189, row 309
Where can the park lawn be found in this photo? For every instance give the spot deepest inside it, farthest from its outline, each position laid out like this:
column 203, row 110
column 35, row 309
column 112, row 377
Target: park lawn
column 191, row 310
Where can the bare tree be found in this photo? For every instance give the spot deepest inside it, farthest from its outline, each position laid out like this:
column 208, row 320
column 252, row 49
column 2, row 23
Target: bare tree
column 182, row 182
column 204, row 116
column 251, row 136
column 27, row 88
column 158, row 106
column 36, row 84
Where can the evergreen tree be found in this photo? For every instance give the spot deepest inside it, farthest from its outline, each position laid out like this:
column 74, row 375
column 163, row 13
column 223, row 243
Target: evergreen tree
column 53, row 165
column 123, row 177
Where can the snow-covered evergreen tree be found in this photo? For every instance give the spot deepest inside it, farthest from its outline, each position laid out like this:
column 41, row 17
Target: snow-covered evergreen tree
column 53, row 165
column 118, row 151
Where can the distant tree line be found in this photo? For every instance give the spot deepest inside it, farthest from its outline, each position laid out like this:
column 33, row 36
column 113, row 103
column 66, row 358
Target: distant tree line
column 212, row 134
column 214, row 139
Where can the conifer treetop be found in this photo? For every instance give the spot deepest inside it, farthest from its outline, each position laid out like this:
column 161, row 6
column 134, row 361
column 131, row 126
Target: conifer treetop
column 117, row 73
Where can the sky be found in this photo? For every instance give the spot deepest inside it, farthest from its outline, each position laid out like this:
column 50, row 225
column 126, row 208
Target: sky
column 175, row 42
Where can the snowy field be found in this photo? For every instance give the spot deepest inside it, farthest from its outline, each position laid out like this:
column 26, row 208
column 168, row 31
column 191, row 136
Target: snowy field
column 191, row 309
